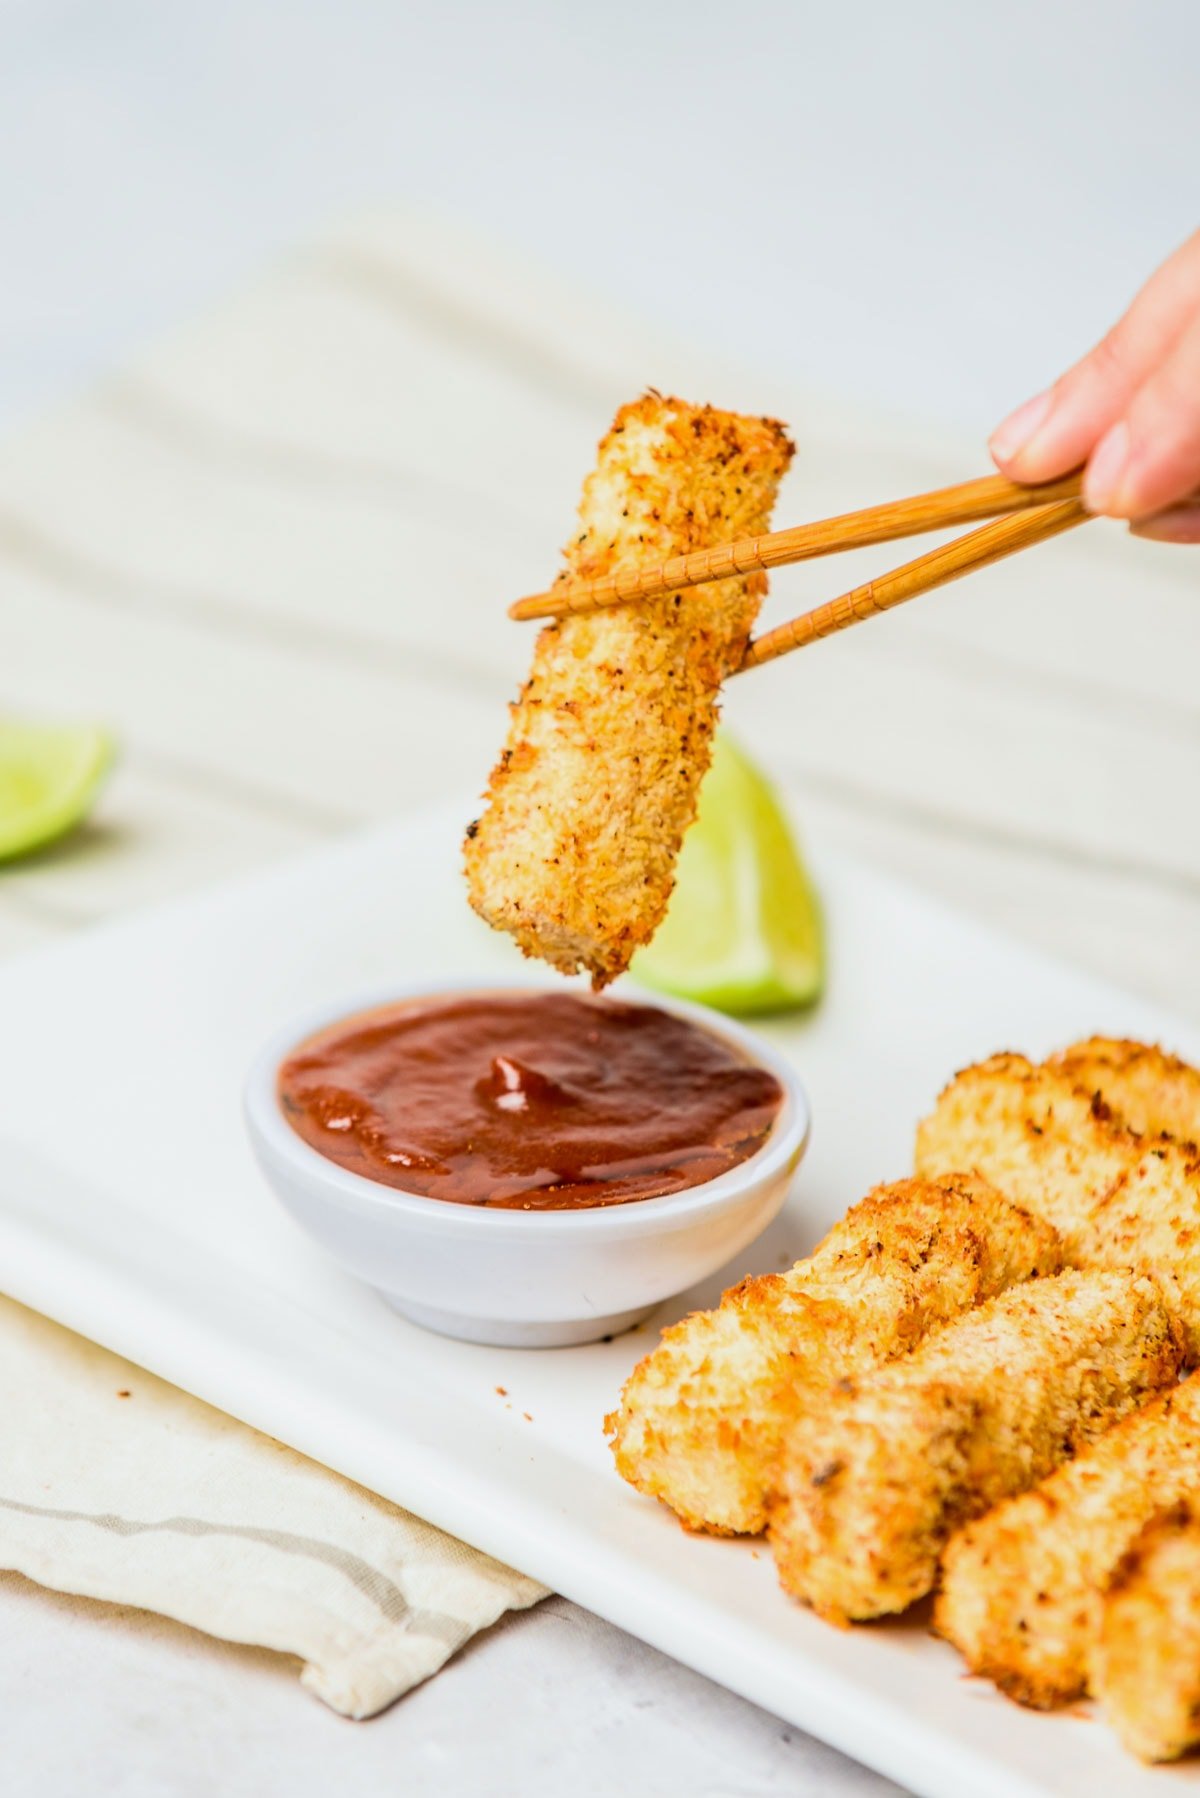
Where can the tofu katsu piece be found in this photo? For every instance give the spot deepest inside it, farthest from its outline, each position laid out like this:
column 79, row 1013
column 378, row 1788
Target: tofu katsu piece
column 1146, row 1658
column 872, row 1482
column 1022, row 1589
column 1116, row 1198
column 700, row 1420
column 1034, row 1133
column 611, row 735
column 1148, row 1090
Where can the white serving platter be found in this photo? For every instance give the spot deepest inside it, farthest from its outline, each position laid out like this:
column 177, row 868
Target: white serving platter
column 130, row 1209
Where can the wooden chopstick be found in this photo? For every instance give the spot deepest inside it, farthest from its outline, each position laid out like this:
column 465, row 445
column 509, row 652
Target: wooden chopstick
column 948, row 563
column 983, row 498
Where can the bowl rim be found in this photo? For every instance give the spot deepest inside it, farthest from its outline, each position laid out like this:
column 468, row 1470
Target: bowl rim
column 269, row 1129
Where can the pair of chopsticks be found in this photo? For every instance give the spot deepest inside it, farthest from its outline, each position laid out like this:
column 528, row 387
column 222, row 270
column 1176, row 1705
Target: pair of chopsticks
column 1022, row 516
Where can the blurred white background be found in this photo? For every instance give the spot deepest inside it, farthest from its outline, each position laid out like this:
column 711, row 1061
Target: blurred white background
column 929, row 206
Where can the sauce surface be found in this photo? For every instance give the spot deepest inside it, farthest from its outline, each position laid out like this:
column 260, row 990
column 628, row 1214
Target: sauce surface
column 537, row 1102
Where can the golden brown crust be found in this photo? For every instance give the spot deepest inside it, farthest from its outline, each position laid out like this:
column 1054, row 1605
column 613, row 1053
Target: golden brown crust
column 701, row 1418
column 1117, row 1199
column 1021, row 1588
column 611, row 736
column 1146, row 1089
column 1145, row 1664
column 873, row 1480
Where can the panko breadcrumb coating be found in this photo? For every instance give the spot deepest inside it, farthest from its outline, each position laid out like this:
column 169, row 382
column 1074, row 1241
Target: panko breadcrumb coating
column 1022, row 1588
column 1116, row 1198
column 1148, row 1090
column 1146, row 1659
column 701, row 1418
column 872, row 1483
column 611, row 735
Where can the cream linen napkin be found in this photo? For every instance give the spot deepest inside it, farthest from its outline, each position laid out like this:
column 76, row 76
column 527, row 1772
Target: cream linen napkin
column 115, row 1485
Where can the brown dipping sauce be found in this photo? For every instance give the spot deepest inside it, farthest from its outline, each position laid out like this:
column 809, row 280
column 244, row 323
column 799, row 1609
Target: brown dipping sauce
column 534, row 1102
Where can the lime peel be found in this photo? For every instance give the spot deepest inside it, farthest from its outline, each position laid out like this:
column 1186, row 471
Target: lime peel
column 49, row 777
column 743, row 931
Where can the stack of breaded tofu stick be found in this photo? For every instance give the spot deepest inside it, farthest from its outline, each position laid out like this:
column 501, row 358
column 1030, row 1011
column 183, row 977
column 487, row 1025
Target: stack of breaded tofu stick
column 973, row 1387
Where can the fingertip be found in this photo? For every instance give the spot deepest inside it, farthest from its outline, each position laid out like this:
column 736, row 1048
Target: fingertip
column 1106, row 472
column 1011, row 441
column 1162, row 472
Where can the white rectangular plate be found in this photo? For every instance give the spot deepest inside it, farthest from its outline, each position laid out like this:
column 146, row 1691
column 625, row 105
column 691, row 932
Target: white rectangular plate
column 130, row 1209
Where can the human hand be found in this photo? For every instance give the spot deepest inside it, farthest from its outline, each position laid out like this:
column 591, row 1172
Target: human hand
column 1130, row 410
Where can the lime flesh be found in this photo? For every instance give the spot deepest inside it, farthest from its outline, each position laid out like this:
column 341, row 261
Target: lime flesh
column 743, row 929
column 49, row 776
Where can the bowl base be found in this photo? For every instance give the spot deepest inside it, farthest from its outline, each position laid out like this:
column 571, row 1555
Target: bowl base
column 503, row 1332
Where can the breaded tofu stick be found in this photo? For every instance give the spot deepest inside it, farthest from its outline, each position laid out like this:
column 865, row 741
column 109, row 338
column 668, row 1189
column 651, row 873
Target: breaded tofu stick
column 1146, row 1659
column 1117, row 1199
column 611, row 735
column 1034, row 1133
column 701, row 1418
column 872, row 1483
column 1021, row 1588
column 1148, row 1090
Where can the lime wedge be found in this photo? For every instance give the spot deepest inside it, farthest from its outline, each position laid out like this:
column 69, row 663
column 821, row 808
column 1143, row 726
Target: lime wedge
column 743, row 929
column 49, row 775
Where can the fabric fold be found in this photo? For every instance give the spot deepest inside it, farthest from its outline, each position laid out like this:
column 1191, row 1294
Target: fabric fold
column 115, row 1485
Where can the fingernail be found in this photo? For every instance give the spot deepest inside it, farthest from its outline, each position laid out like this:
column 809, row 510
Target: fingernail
column 1106, row 469
column 1020, row 427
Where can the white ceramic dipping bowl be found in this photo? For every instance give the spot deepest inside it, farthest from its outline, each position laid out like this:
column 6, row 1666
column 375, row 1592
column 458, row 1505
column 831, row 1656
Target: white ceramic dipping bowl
column 525, row 1279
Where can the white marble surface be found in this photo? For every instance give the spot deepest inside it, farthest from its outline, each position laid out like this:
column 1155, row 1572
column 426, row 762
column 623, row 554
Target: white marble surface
column 131, row 1705
column 927, row 208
